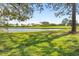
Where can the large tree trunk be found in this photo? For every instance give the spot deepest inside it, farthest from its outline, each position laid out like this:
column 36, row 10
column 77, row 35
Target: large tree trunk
column 73, row 24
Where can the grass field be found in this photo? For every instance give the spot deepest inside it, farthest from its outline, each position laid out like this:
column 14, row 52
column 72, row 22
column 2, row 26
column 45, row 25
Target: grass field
column 51, row 43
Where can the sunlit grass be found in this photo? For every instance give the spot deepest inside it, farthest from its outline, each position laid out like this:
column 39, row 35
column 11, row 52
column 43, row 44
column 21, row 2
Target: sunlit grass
column 45, row 43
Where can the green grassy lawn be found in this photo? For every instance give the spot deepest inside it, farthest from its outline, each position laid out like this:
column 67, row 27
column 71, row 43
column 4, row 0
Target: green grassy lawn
column 44, row 43
column 51, row 43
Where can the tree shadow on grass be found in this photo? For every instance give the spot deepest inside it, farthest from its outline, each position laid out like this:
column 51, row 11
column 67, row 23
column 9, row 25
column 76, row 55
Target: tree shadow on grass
column 34, row 42
column 47, row 40
column 6, row 49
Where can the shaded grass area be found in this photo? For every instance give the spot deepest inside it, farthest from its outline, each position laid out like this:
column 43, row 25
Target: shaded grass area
column 51, row 43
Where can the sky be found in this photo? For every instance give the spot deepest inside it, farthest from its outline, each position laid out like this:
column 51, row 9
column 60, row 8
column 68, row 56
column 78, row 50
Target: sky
column 39, row 1
column 45, row 16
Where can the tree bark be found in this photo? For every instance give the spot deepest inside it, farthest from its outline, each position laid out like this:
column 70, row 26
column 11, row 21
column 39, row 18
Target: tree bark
column 73, row 24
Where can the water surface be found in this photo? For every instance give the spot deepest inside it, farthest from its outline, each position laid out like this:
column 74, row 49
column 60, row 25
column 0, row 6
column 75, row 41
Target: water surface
column 28, row 30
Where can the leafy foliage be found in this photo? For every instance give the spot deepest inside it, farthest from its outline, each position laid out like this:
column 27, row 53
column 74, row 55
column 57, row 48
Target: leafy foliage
column 15, row 11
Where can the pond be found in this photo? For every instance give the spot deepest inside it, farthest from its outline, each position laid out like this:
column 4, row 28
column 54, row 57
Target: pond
column 28, row 30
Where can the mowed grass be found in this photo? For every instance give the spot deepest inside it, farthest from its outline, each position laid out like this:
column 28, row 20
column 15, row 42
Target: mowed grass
column 51, row 43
